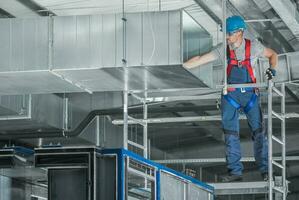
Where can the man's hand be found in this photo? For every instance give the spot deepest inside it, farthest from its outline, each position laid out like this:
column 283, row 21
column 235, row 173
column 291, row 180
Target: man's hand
column 270, row 73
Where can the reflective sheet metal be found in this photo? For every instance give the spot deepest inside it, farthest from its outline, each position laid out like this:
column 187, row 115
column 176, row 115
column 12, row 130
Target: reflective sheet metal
column 105, row 79
column 155, row 77
column 34, row 82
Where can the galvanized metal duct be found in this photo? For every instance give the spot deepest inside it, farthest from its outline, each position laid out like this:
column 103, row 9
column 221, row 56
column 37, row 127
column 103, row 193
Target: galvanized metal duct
column 70, row 115
column 209, row 21
column 14, row 105
column 35, row 115
column 75, row 7
column 197, row 41
column 84, row 53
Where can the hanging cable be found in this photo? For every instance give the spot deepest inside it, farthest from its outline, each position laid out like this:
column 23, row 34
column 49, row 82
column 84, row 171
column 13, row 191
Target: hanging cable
column 153, row 37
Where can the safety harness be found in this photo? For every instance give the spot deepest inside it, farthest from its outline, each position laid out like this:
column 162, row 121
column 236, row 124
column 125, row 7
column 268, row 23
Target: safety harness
column 233, row 62
column 234, row 103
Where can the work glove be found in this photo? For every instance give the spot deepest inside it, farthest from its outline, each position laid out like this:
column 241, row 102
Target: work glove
column 270, row 73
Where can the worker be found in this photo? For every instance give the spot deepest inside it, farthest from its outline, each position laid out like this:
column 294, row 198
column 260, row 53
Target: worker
column 242, row 54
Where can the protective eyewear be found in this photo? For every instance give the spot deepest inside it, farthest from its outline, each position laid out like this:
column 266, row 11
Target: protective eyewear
column 231, row 33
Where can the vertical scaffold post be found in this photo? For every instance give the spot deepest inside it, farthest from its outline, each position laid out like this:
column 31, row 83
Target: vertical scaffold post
column 145, row 115
column 270, row 158
column 224, row 45
column 283, row 136
column 280, row 189
column 126, row 79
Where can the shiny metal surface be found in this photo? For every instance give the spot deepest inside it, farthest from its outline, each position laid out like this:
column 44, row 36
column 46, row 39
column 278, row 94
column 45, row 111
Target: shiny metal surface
column 87, row 58
column 97, row 41
column 73, row 7
column 24, row 44
column 99, row 132
column 34, row 82
column 81, row 62
column 91, row 133
column 25, row 109
column 13, row 105
column 156, row 77
column 197, row 41
column 206, row 20
column 40, row 116
column 106, row 79
column 50, row 121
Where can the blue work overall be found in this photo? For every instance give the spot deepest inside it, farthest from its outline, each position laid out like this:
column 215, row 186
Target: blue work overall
column 247, row 100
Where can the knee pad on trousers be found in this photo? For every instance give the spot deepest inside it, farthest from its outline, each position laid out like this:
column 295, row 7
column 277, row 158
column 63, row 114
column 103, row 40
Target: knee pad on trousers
column 258, row 132
column 229, row 132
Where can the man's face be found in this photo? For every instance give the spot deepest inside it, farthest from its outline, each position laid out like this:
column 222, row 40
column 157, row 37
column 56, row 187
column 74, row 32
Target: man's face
column 233, row 37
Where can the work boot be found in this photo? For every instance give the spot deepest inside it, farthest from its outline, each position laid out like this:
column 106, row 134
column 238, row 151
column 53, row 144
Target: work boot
column 265, row 176
column 231, row 178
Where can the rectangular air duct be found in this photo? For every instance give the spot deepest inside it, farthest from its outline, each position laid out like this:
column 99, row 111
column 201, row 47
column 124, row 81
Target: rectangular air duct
column 86, row 53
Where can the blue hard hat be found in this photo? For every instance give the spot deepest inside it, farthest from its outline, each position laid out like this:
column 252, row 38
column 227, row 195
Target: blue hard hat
column 235, row 23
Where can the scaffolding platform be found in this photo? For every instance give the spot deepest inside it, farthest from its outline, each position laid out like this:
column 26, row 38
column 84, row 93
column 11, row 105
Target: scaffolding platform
column 258, row 187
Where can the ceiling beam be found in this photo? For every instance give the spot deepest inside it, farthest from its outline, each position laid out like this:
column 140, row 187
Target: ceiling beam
column 17, row 9
column 35, row 7
column 287, row 12
column 5, row 14
column 209, row 11
column 282, row 41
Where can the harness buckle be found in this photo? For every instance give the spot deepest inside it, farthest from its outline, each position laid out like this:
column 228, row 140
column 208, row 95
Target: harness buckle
column 243, row 90
column 239, row 63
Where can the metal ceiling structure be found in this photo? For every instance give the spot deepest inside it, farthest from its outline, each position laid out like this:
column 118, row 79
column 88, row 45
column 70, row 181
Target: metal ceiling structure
column 67, row 67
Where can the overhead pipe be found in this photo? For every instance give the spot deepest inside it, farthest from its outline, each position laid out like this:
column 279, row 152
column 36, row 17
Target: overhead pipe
column 188, row 119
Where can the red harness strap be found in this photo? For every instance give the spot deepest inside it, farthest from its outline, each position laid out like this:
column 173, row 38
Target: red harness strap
column 232, row 62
